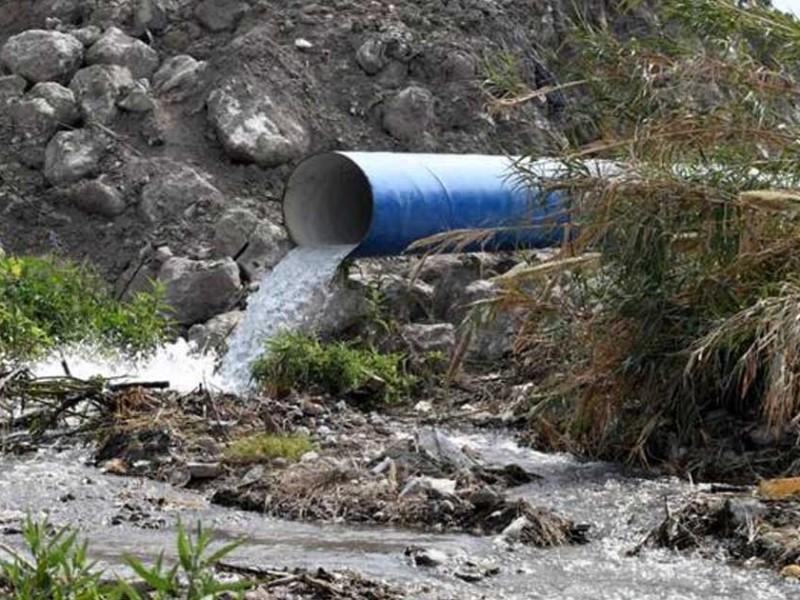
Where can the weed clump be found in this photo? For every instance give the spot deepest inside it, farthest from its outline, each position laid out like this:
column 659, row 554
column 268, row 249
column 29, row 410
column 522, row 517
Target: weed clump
column 45, row 301
column 261, row 447
column 55, row 566
column 296, row 361
column 684, row 333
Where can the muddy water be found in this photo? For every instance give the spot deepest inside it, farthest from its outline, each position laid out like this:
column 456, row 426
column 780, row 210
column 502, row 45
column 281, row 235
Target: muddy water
column 619, row 507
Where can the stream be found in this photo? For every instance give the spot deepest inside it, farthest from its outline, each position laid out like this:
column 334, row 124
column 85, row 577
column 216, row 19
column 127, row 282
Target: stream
column 620, row 507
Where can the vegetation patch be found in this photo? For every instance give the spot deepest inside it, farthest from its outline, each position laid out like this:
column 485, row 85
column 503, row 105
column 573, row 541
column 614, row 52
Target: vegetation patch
column 295, row 361
column 55, row 565
column 263, row 447
column 45, row 301
column 680, row 344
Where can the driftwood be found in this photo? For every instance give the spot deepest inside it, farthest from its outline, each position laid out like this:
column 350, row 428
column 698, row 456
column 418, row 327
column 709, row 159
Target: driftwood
column 51, row 398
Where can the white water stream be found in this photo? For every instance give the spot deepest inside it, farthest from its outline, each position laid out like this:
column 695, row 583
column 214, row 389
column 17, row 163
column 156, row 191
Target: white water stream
column 293, row 296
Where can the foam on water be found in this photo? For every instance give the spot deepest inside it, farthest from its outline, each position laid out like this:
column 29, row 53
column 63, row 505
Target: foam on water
column 291, row 297
column 177, row 363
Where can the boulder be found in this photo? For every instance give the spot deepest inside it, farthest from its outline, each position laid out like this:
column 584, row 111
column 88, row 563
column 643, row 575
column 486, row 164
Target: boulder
column 33, row 119
column 149, row 15
column 99, row 88
column 74, row 155
column 62, row 100
column 179, row 77
column 177, row 192
column 253, row 128
column 213, row 334
column 442, row 449
column 409, row 114
column 140, row 274
column 39, row 55
column 393, row 44
column 232, row 232
column 138, row 99
column 87, row 35
column 459, row 66
column 220, row 15
column 199, row 289
column 266, row 246
column 370, row 56
column 493, row 332
column 98, row 198
column 425, row 338
column 11, row 86
column 118, row 48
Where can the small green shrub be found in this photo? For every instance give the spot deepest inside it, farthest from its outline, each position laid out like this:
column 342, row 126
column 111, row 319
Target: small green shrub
column 46, row 301
column 295, row 361
column 55, row 566
column 58, row 567
column 192, row 578
column 261, row 447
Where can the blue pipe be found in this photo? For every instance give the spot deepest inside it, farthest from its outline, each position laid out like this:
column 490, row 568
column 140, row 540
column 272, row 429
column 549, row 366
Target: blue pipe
column 383, row 202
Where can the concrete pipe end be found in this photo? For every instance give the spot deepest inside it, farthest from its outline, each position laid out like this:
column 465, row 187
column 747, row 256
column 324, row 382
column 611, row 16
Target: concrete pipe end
column 328, row 202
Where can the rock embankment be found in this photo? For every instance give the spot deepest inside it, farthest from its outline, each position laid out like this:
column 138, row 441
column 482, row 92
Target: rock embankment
column 136, row 128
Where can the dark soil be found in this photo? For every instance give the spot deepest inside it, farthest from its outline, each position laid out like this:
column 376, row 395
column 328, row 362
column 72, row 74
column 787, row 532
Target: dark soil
column 324, row 87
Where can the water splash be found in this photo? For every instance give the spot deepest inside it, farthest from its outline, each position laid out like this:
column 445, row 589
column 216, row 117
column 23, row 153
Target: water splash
column 178, row 363
column 292, row 296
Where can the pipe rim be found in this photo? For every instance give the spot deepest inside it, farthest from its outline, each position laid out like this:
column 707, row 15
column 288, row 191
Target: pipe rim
column 294, row 203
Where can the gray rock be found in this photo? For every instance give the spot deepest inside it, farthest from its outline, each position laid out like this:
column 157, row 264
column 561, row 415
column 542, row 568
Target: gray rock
column 370, row 56
column 39, row 55
column 394, row 43
column 424, row 338
column 74, row 155
column 33, row 122
column 98, row 89
column 442, row 449
column 149, row 15
column 199, row 289
column 253, row 128
column 423, row 485
column 213, row 334
column 11, row 86
column 142, row 272
column 459, row 66
column 139, row 98
column 155, row 126
column 409, row 114
column 179, row 77
column 62, row 100
column 266, row 246
column 426, row 557
column 117, row 48
column 232, row 232
column 33, row 119
column 177, row 193
column 493, row 332
column 220, row 15
column 403, row 299
column 98, row 198
column 87, row 35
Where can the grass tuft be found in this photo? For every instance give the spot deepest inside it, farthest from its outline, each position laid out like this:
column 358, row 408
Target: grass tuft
column 295, row 361
column 262, row 447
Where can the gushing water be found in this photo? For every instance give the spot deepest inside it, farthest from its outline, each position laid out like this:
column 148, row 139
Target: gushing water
column 176, row 363
column 292, row 296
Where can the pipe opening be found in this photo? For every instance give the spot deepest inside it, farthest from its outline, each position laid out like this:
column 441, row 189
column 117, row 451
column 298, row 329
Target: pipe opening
column 328, row 201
